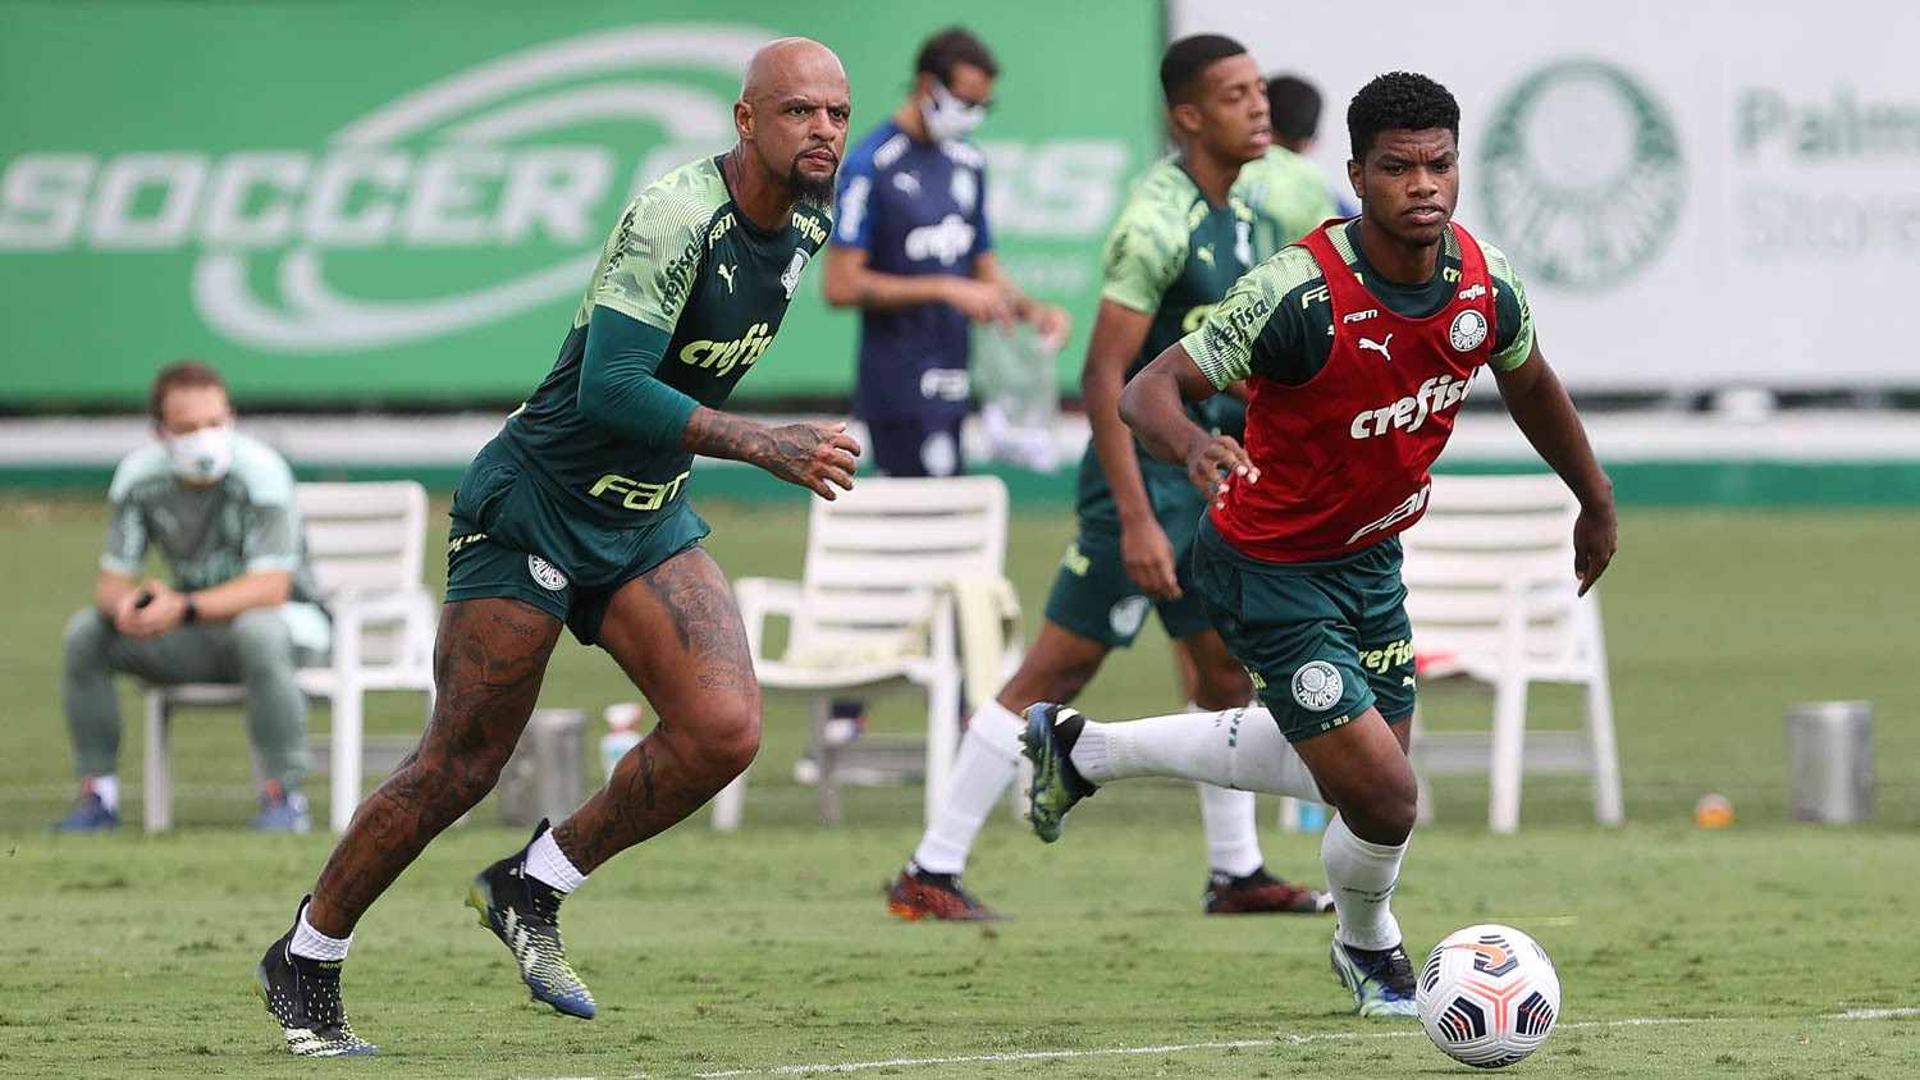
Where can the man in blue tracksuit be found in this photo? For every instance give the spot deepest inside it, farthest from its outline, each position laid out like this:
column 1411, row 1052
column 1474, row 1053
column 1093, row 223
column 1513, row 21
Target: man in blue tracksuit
column 912, row 250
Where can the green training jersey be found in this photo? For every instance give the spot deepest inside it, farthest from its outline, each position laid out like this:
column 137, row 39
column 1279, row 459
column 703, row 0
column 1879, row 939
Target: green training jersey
column 244, row 523
column 1173, row 254
column 686, row 261
column 1278, row 320
column 1288, row 196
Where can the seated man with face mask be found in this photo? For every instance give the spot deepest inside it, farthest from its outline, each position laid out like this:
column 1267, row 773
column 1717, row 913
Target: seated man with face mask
column 219, row 507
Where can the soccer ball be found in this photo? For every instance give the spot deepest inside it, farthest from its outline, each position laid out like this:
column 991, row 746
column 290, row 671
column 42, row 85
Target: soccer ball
column 1488, row 995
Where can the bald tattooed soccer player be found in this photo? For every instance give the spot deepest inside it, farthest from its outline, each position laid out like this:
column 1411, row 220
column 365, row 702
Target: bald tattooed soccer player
column 575, row 515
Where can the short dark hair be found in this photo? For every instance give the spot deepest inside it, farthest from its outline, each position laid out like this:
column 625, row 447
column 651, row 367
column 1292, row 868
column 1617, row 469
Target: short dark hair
column 1295, row 105
column 1399, row 101
column 1184, row 60
column 950, row 48
column 181, row 375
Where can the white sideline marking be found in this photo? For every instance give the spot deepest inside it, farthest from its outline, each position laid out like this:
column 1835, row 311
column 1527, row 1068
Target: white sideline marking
column 1906, row 1013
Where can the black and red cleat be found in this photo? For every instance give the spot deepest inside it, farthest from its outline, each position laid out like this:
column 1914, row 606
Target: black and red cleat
column 1260, row 893
column 917, row 894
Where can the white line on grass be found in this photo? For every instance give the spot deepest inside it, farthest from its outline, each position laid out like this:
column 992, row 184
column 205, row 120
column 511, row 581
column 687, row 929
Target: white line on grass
column 1239, row 1044
column 1875, row 1014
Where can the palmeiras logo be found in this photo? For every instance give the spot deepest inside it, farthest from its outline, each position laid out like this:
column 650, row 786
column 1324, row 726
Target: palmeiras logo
column 1469, row 329
column 1581, row 175
column 546, row 574
column 1317, row 685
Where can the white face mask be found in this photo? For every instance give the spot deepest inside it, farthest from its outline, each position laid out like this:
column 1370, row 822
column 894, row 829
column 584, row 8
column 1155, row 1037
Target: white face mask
column 948, row 117
column 203, row 456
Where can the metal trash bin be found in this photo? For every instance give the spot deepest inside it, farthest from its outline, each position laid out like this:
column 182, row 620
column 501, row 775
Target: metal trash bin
column 1831, row 752
column 546, row 777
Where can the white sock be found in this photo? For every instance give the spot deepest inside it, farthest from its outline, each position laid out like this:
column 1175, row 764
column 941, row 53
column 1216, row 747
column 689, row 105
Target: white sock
column 1229, row 819
column 1233, row 843
column 108, row 788
column 988, row 761
column 315, row 945
column 547, row 863
column 1236, row 748
column 1361, row 875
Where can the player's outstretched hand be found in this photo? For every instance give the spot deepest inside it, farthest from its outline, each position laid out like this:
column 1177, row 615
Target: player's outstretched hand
column 1148, row 556
column 816, row 456
column 1596, row 535
column 1217, row 461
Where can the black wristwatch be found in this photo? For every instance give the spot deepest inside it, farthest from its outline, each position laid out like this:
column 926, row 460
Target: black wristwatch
column 192, row 614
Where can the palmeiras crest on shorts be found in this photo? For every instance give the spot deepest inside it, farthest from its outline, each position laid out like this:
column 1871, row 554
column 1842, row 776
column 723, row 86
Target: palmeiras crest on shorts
column 1317, row 686
column 1469, row 329
column 1128, row 615
column 545, row 574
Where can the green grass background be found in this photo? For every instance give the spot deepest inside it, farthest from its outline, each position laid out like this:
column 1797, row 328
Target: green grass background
column 130, row 955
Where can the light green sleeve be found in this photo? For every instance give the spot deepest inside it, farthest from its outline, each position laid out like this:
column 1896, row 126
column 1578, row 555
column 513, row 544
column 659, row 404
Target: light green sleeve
column 1223, row 346
column 1293, row 191
column 1512, row 314
column 272, row 535
column 126, row 547
column 1143, row 256
column 648, row 265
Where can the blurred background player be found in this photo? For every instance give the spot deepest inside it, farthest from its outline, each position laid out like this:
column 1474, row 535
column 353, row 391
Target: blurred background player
column 1186, row 233
column 1359, row 347
column 913, row 251
column 1296, row 124
column 219, row 506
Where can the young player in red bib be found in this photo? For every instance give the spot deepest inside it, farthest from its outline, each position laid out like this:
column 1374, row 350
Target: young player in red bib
column 1356, row 348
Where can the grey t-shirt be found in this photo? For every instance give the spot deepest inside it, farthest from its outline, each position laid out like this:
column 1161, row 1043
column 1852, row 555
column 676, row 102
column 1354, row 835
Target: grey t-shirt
column 245, row 523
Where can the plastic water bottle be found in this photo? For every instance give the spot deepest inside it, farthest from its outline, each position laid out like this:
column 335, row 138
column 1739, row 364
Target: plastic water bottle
column 623, row 733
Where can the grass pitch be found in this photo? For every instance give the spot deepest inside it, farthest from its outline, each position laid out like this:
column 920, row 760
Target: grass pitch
column 1771, row 949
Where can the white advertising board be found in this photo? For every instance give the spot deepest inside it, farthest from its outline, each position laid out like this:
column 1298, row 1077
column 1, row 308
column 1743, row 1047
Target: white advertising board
column 1695, row 193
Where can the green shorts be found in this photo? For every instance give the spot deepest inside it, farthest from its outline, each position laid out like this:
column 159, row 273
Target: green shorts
column 1092, row 595
column 512, row 539
column 1324, row 642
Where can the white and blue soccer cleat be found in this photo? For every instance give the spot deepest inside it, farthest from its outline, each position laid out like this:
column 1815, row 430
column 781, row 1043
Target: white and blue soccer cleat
column 1381, row 979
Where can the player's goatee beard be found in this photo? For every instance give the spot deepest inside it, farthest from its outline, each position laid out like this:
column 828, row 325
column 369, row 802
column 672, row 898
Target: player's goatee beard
column 815, row 191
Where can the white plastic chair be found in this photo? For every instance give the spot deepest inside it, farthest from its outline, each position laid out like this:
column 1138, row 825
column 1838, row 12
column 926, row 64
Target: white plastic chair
column 367, row 543
column 1491, row 594
column 873, row 609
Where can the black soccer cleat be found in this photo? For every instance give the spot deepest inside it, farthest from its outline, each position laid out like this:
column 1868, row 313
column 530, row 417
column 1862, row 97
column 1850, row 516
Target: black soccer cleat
column 303, row 994
column 523, row 912
column 1057, row 786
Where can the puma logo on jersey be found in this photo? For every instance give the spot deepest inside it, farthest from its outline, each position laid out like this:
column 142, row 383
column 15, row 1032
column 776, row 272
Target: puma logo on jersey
column 725, row 271
column 1205, row 254
column 1378, row 346
column 1410, row 413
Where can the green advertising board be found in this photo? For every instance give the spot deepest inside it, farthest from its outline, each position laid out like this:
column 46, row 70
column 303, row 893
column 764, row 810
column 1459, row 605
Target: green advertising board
column 344, row 203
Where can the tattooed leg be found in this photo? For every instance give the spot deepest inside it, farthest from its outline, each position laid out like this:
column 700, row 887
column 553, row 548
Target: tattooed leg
column 678, row 635
column 488, row 661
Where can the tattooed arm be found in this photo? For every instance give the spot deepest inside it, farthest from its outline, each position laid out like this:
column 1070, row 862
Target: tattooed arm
column 816, row 456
